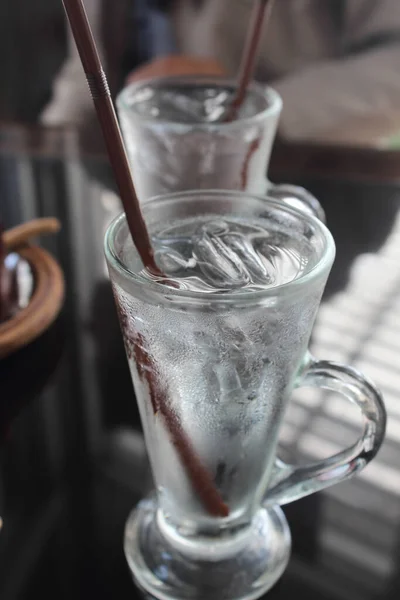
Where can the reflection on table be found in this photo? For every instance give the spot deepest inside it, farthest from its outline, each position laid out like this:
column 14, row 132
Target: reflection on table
column 73, row 461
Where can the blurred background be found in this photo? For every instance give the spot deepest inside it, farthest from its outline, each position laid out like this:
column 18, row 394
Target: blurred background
column 32, row 46
column 334, row 62
column 72, row 458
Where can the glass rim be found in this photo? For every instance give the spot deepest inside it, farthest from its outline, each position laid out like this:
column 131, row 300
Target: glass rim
column 273, row 99
column 252, row 297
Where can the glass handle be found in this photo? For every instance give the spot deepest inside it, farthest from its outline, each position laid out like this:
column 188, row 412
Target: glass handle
column 289, row 482
column 297, row 197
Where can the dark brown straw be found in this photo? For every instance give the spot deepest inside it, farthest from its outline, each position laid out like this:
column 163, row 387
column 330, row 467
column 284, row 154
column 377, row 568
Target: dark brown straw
column 200, row 478
column 260, row 15
column 112, row 135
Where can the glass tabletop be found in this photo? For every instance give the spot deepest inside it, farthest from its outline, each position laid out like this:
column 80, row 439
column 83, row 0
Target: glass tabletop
column 72, row 458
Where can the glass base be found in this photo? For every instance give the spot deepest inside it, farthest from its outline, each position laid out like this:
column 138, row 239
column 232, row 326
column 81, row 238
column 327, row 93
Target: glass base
column 164, row 572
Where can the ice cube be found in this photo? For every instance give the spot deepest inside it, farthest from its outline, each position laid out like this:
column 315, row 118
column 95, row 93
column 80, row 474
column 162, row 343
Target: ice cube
column 244, row 249
column 181, row 107
column 230, row 387
column 218, row 262
column 172, row 261
column 217, row 107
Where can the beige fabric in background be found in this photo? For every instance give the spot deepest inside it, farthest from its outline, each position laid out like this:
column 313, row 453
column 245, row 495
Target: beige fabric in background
column 326, row 97
column 331, row 92
column 71, row 102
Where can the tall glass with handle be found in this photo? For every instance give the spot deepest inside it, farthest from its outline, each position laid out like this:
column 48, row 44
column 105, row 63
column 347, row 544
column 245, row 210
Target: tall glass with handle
column 215, row 350
column 177, row 139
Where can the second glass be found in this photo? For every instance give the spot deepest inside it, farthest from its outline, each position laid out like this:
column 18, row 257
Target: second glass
column 177, row 139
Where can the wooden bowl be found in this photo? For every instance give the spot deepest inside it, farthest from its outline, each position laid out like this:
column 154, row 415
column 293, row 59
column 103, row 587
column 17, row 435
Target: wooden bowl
column 45, row 303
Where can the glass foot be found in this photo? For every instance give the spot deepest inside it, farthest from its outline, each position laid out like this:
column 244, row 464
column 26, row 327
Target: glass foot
column 164, row 572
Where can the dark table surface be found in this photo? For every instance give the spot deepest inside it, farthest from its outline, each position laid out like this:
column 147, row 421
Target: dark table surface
column 72, row 459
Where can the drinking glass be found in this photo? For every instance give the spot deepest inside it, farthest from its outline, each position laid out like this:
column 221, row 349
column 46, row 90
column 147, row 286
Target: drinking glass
column 167, row 155
column 213, row 374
